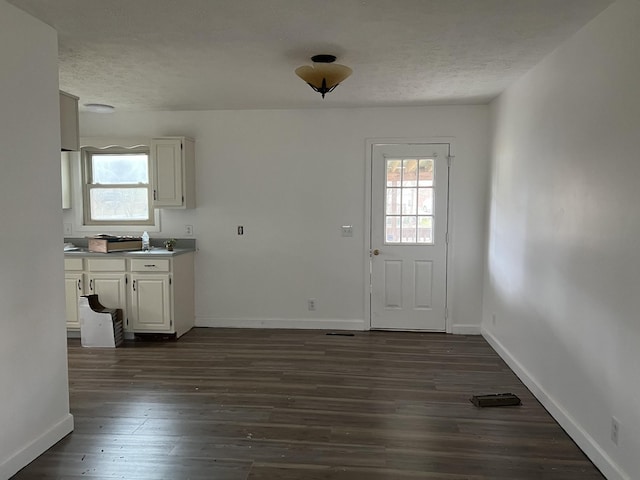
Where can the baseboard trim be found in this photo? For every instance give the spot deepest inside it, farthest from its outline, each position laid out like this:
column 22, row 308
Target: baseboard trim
column 283, row 323
column 585, row 441
column 37, row 447
column 73, row 333
column 466, row 330
column 308, row 324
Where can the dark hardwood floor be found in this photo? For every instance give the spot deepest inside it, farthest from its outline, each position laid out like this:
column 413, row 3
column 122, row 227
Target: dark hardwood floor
column 230, row 404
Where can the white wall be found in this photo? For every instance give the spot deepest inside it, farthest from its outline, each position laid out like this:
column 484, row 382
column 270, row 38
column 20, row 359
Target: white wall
column 33, row 363
column 563, row 268
column 292, row 178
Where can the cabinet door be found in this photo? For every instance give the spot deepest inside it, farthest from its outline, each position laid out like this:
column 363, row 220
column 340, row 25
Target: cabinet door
column 69, row 137
column 65, row 178
column 151, row 303
column 73, row 291
column 111, row 290
column 166, row 155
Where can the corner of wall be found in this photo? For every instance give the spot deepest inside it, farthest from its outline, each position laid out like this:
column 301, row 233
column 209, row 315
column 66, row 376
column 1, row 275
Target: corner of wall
column 37, row 447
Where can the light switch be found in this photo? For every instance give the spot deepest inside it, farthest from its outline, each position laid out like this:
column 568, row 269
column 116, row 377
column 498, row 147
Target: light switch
column 347, row 230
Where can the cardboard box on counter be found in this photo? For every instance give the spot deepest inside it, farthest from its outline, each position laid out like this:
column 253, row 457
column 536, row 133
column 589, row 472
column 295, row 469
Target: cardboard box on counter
column 106, row 244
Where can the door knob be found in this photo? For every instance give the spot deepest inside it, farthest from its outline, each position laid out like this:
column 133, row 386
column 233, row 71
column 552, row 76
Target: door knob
column 376, row 252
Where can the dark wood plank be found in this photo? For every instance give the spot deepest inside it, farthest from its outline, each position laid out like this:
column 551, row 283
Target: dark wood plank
column 281, row 404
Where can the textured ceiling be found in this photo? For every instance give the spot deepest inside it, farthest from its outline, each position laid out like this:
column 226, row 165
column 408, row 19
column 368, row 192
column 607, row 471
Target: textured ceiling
column 241, row 54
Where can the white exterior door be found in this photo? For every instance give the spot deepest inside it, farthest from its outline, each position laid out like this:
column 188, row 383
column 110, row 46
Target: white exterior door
column 409, row 206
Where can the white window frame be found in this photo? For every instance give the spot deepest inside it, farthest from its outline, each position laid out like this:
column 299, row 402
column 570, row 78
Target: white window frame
column 87, row 186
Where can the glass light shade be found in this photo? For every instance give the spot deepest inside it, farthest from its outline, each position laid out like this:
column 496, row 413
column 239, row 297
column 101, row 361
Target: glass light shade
column 332, row 73
column 323, row 77
column 99, row 107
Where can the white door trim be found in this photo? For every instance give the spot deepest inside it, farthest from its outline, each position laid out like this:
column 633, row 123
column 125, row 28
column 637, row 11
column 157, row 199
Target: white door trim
column 369, row 144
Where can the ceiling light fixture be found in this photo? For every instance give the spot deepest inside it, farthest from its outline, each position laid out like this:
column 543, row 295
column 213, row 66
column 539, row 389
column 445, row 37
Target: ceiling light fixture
column 99, row 107
column 324, row 76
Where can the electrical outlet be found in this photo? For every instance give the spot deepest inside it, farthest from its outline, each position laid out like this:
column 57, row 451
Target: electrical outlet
column 615, row 430
column 188, row 230
column 311, row 304
column 68, row 228
column 347, row 230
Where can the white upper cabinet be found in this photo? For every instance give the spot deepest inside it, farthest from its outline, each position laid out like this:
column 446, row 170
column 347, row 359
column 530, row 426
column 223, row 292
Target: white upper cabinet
column 173, row 172
column 69, row 130
column 65, row 172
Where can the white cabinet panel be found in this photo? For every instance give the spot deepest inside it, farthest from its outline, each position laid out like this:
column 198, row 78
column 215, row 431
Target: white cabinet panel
column 69, row 131
column 106, row 264
column 150, row 303
column 150, row 265
column 167, row 173
column 73, row 264
column 173, row 172
column 110, row 288
column 73, row 289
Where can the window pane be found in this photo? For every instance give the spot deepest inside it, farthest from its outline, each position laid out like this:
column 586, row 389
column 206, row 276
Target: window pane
column 426, row 173
column 425, row 229
column 409, row 201
column 425, row 201
column 120, row 169
column 125, row 204
column 393, row 201
column 394, row 173
column 392, row 230
column 410, row 173
column 408, row 230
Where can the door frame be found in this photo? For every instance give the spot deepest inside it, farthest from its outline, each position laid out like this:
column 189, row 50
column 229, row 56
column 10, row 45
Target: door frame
column 370, row 143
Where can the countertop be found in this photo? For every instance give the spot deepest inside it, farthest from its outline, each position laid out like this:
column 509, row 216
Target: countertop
column 154, row 252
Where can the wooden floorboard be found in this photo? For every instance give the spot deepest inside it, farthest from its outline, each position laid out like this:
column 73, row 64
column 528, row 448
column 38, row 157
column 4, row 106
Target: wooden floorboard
column 230, row 404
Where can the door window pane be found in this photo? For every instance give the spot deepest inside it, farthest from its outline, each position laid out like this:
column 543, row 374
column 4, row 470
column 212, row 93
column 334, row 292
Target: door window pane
column 409, row 209
column 426, row 173
column 409, row 201
column 425, row 230
column 394, row 173
column 394, row 198
column 409, row 229
column 409, row 173
column 425, row 201
column 392, row 230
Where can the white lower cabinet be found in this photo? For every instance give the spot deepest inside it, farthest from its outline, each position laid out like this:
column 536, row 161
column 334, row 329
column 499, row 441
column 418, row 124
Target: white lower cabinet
column 107, row 278
column 73, row 289
column 155, row 294
column 150, row 303
column 111, row 289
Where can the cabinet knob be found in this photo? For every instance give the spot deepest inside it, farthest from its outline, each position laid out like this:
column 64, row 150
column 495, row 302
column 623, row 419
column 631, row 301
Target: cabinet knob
column 134, row 285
